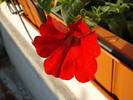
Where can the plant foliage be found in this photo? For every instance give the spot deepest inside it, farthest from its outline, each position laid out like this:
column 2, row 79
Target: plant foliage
column 114, row 15
column 45, row 4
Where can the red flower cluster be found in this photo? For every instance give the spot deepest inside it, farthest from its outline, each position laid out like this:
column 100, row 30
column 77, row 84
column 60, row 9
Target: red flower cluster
column 70, row 51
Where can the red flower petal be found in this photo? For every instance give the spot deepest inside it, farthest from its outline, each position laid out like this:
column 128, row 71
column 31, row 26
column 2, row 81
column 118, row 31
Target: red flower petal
column 53, row 29
column 68, row 67
column 45, row 46
column 86, row 69
column 69, row 63
column 53, row 65
column 86, row 63
column 79, row 28
column 68, row 55
column 75, row 24
column 91, row 44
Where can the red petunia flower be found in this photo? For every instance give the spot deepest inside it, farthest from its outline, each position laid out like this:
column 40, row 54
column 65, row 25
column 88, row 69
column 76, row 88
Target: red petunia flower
column 70, row 51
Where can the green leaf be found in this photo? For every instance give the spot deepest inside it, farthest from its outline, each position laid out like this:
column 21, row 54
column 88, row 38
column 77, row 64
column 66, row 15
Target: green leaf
column 89, row 22
column 91, row 14
column 66, row 13
column 71, row 9
column 120, row 1
column 1, row 1
column 63, row 1
column 45, row 4
column 56, row 9
column 55, row 2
